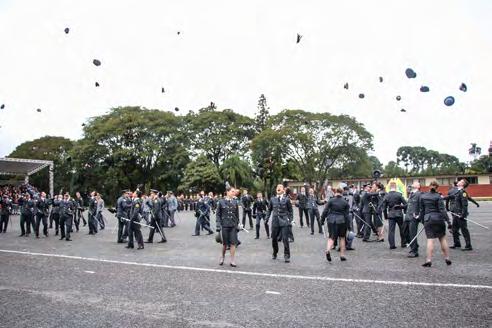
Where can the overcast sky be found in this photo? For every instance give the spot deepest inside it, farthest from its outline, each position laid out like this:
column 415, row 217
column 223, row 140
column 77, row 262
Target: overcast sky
column 230, row 52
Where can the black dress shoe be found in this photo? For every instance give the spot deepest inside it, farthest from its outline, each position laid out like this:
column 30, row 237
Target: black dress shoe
column 120, row 241
column 274, row 256
column 257, row 237
column 312, row 233
column 455, row 246
column 392, row 247
column 233, row 265
column 380, row 240
column 163, row 241
column 22, row 235
column 342, row 258
column 448, row 262
column 328, row 256
column 366, row 240
column 411, row 255
column 427, row 264
column 140, row 247
column 128, row 246
column 350, row 249
column 148, row 242
column 467, row 248
column 68, row 239
column 287, row 259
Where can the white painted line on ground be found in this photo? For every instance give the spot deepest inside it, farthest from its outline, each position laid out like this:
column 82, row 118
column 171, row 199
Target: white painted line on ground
column 89, row 271
column 249, row 273
column 272, row 293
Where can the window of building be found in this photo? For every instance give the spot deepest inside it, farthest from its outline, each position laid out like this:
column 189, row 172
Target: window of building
column 471, row 180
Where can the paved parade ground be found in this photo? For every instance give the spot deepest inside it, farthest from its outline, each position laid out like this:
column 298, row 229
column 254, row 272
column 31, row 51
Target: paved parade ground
column 95, row 282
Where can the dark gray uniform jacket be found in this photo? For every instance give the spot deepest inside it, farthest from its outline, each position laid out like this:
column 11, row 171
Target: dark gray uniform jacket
column 336, row 210
column 281, row 208
column 227, row 215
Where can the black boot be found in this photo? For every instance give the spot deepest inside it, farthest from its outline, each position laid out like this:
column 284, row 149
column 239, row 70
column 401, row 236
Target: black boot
column 257, row 232
column 267, row 229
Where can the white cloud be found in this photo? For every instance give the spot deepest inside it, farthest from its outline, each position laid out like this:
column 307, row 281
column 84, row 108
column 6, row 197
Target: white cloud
column 230, row 52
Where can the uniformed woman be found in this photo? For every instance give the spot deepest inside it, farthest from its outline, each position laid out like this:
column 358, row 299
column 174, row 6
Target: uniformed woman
column 227, row 222
column 336, row 212
column 434, row 214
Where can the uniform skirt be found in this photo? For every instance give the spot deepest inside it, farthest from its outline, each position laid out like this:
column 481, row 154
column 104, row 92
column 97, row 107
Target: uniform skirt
column 337, row 230
column 229, row 236
column 434, row 229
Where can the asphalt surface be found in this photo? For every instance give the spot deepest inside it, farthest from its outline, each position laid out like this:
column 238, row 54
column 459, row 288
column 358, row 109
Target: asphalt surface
column 94, row 282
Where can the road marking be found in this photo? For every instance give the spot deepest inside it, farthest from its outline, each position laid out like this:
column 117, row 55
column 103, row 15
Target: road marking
column 272, row 293
column 89, row 271
column 250, row 273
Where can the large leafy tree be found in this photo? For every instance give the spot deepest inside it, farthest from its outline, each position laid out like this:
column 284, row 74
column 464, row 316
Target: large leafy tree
column 420, row 161
column 50, row 148
column 483, row 164
column 201, row 174
column 219, row 134
column 131, row 146
column 237, row 172
column 318, row 142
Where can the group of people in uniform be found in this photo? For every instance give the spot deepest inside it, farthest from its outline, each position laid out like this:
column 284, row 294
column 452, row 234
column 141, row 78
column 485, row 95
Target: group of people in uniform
column 348, row 213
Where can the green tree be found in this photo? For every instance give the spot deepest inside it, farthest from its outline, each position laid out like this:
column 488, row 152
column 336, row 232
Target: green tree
column 263, row 114
column 201, row 174
column 131, row 146
column 483, row 164
column 267, row 151
column 392, row 170
column 219, row 134
column 318, row 142
column 50, row 148
column 237, row 172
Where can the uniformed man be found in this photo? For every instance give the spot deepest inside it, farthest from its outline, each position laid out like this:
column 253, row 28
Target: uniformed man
column 41, row 209
column 172, row 207
column 371, row 213
column 301, row 203
column 155, row 217
column 79, row 214
column 457, row 202
column 392, row 208
column 312, row 205
column 280, row 208
column 227, row 224
column 123, row 207
column 99, row 211
column 260, row 207
column 202, row 214
column 5, row 208
column 246, row 202
column 135, row 216
column 92, row 214
column 412, row 219
column 67, row 209
column 55, row 212
column 26, row 214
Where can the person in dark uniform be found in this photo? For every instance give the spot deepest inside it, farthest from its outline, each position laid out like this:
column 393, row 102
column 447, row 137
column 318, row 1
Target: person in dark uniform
column 79, row 214
column 246, row 202
column 92, row 214
column 202, row 214
column 434, row 215
column 135, row 216
column 26, row 214
column 259, row 213
column 123, row 207
column 411, row 223
column 336, row 212
column 5, row 208
column 312, row 206
column 348, row 195
column 41, row 206
column 369, row 203
column 67, row 210
column 280, row 208
column 358, row 210
column 155, row 217
column 301, row 203
column 55, row 212
column 392, row 208
column 457, row 203
column 227, row 221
